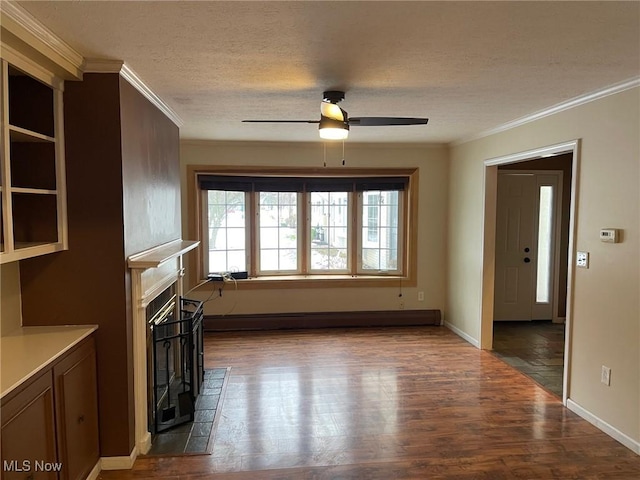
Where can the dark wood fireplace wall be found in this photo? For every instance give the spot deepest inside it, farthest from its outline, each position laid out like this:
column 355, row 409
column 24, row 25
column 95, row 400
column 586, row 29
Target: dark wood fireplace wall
column 123, row 184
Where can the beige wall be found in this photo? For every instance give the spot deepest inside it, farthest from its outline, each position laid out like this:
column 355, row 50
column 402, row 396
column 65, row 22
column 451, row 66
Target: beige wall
column 606, row 309
column 433, row 164
column 10, row 303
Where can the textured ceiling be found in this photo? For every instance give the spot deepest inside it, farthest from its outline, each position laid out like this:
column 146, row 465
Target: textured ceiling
column 468, row 66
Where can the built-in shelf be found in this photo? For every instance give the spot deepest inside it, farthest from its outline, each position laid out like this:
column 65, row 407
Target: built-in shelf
column 155, row 257
column 22, row 135
column 33, row 193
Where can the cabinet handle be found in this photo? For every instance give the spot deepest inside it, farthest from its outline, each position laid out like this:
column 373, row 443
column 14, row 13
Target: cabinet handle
column 81, row 419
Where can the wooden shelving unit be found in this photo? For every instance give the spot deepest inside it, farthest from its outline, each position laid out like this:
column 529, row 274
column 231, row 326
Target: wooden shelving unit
column 32, row 184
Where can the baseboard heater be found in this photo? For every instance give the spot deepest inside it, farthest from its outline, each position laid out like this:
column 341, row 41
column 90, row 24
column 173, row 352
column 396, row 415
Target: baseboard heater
column 276, row 321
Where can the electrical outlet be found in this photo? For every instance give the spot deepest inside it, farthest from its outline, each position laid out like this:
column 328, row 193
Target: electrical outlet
column 421, row 296
column 605, row 376
column 401, row 305
column 582, row 259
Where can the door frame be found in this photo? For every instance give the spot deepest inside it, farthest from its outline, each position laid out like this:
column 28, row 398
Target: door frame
column 557, row 224
column 489, row 242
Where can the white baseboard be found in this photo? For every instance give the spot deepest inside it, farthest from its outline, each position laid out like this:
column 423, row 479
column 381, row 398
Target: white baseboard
column 119, row 463
column 144, row 445
column 462, row 334
column 610, row 430
column 93, row 474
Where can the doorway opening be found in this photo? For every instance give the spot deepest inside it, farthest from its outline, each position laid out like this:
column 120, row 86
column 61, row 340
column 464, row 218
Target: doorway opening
column 528, row 232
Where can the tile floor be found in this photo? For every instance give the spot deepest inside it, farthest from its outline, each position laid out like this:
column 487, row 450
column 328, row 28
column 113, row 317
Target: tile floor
column 534, row 348
column 193, row 437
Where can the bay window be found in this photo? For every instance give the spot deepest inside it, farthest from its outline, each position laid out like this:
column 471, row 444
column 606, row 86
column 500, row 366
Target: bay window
column 305, row 226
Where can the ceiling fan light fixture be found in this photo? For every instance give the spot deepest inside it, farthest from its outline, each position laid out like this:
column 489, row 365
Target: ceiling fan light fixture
column 331, row 129
column 334, row 133
column 333, row 111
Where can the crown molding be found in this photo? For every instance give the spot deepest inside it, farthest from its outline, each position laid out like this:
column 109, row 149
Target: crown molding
column 101, row 65
column 560, row 107
column 29, row 27
column 134, row 79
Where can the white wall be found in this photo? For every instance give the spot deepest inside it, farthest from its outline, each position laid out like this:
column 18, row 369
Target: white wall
column 433, row 165
column 606, row 309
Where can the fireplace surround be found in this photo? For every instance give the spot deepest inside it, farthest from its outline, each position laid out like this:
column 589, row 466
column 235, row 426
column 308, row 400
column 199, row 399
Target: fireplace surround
column 153, row 273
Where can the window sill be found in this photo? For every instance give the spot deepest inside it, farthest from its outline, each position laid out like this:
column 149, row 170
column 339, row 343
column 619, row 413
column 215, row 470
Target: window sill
column 322, row 281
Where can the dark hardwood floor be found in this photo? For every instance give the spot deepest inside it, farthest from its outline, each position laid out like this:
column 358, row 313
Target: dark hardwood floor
column 385, row 403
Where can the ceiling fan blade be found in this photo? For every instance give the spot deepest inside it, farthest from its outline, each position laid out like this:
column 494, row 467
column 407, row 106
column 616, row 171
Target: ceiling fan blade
column 280, row 121
column 383, row 121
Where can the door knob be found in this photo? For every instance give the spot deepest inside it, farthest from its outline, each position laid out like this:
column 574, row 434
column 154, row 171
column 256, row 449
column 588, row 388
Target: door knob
column 527, row 259
column 526, row 250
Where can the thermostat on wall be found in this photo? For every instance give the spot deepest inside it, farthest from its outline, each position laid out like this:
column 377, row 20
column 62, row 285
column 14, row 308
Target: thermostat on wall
column 609, row 235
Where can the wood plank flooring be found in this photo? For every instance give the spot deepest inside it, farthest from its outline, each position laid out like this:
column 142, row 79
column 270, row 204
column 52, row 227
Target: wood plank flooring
column 385, row 403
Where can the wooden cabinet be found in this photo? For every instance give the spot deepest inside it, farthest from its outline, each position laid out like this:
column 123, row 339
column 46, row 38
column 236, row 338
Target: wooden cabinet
column 28, row 432
column 32, row 174
column 76, row 400
column 50, row 423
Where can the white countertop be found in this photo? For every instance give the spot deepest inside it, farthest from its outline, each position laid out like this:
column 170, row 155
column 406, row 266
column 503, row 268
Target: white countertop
column 25, row 351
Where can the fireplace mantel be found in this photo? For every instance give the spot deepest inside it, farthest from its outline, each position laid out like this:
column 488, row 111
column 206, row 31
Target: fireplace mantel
column 157, row 256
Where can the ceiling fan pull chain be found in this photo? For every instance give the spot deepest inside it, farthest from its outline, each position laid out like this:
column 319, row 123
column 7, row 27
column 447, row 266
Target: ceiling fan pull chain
column 343, row 162
column 324, row 150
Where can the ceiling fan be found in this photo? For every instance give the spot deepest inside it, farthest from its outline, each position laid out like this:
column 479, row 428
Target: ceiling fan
column 334, row 122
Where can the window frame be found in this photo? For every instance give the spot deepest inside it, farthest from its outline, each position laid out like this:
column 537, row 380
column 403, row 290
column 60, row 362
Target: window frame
column 299, row 227
column 205, row 222
column 401, row 231
column 350, row 221
column 408, row 233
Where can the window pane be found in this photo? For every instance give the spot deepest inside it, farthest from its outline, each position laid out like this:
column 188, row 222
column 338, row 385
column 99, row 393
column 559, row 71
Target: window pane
column 388, row 259
column 288, row 237
column 288, row 259
column 371, row 259
column 227, row 233
column 545, row 230
column 268, row 237
column 278, row 235
column 268, row 260
column 379, row 236
column 329, row 231
column 236, row 261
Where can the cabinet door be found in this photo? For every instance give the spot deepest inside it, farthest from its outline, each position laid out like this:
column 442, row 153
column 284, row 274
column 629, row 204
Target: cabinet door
column 77, row 410
column 28, row 433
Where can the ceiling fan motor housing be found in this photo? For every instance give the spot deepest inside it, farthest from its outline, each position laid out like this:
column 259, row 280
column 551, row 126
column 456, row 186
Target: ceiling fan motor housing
column 333, row 96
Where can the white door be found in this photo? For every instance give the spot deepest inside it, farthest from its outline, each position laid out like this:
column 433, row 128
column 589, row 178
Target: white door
column 525, row 245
